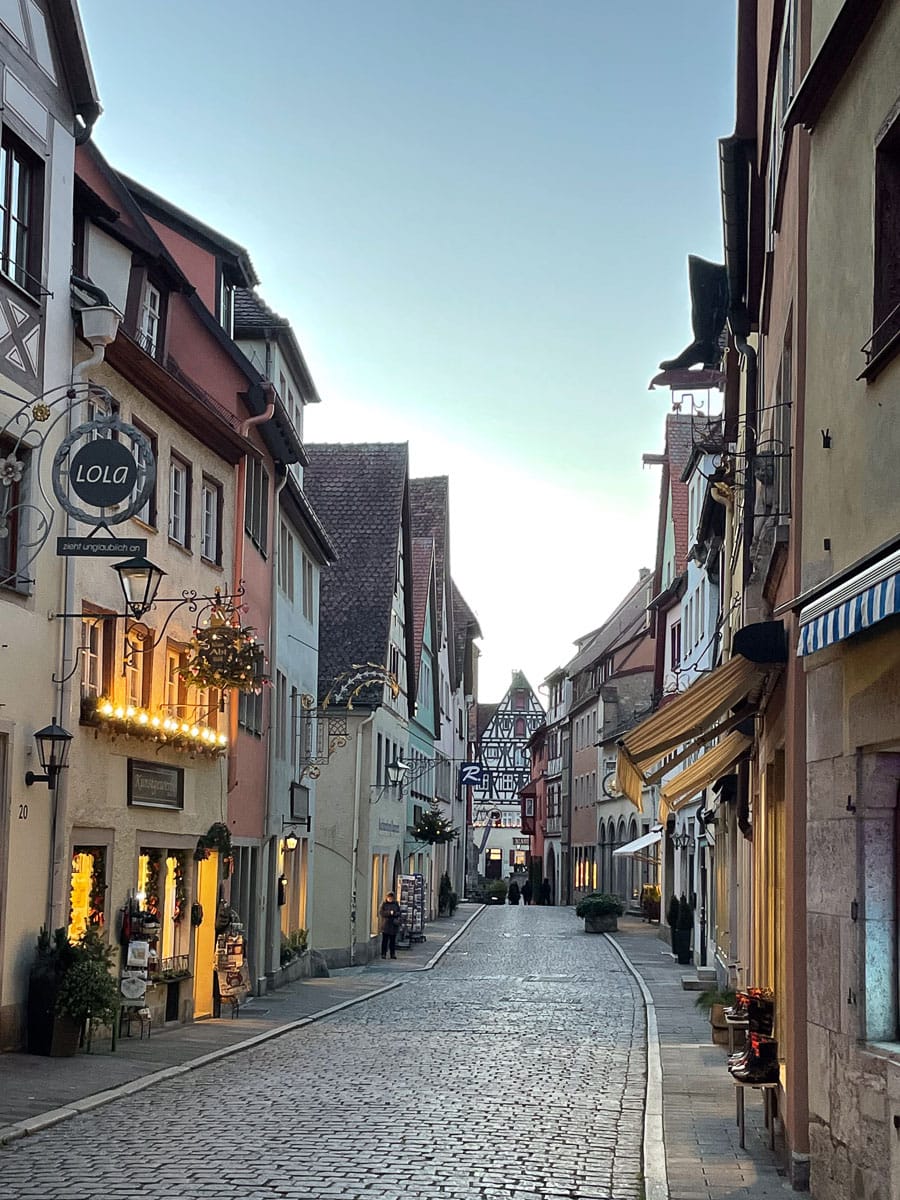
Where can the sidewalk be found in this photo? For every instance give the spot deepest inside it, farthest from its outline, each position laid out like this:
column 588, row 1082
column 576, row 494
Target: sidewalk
column 704, row 1160
column 37, row 1091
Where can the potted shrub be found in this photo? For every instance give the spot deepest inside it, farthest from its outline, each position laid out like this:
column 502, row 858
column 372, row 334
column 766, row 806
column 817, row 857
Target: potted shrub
column 496, row 891
column 69, row 986
column 681, row 934
column 88, row 993
column 715, row 1002
column 672, row 918
column 600, row 912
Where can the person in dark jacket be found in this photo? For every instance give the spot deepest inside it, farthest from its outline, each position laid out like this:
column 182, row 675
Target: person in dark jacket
column 390, row 925
column 546, row 894
column 527, row 892
column 512, row 895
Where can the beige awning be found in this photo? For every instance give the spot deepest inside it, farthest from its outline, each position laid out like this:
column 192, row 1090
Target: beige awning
column 692, row 719
column 709, row 767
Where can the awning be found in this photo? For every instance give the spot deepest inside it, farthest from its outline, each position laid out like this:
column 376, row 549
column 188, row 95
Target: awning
column 853, row 606
column 712, row 765
column 695, row 717
column 631, row 848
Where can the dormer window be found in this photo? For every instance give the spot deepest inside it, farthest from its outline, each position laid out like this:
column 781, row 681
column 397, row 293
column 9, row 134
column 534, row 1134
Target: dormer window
column 151, row 311
column 226, row 306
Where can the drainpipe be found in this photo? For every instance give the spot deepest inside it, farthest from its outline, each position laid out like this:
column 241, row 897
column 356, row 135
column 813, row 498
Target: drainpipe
column 57, row 910
column 240, row 494
column 354, row 850
column 725, row 497
column 272, row 837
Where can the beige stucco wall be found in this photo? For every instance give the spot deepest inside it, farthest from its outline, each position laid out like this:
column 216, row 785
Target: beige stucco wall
column 850, row 493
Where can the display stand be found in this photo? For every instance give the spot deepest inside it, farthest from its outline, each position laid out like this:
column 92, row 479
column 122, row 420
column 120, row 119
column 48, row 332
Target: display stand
column 768, row 1091
column 412, row 910
column 231, row 982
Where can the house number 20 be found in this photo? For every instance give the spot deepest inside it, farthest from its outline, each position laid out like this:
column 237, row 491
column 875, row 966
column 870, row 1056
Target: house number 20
column 23, row 812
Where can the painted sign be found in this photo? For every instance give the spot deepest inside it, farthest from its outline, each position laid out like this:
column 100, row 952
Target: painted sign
column 156, row 784
column 86, row 547
column 107, row 465
column 472, row 774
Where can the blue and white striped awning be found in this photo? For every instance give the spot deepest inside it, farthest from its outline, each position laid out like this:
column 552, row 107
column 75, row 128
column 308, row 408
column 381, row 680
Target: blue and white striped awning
column 852, row 606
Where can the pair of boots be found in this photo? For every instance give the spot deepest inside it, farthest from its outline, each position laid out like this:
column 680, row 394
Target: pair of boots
column 757, row 1062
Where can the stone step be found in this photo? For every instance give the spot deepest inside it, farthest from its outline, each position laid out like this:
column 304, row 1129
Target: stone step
column 691, row 983
column 708, row 974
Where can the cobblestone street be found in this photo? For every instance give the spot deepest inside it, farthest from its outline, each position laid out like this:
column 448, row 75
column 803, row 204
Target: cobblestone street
column 513, row 1071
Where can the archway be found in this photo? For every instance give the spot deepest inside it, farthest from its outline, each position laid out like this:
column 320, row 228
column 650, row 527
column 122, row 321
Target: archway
column 623, row 868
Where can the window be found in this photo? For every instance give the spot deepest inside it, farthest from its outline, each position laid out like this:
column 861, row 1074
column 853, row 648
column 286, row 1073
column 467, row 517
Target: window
column 149, row 320
column 179, row 501
column 12, row 500
column 675, row 646
column 519, row 701
column 286, row 561
column 94, row 660
column 280, row 715
column 87, row 890
column 886, row 299
column 20, row 214
column 519, row 729
column 211, row 520
column 174, row 684
column 148, row 513
column 309, row 598
column 425, row 686
column 226, row 306
column 133, row 653
column 394, row 662
column 250, row 712
column 256, row 505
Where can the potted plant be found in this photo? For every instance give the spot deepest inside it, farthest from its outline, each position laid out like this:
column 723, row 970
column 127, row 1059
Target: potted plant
column 496, row 891
column 600, row 912
column 681, row 934
column 650, row 901
column 69, row 985
column 715, row 1002
column 88, row 993
column 672, row 918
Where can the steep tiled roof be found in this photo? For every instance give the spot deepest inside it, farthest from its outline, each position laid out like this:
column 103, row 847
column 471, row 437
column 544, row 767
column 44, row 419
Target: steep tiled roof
column 423, row 561
column 251, row 312
column 254, row 319
column 625, row 621
column 358, row 492
column 465, row 625
column 429, row 504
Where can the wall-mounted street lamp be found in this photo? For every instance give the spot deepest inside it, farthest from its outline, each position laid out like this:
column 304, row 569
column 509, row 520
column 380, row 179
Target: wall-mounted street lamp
column 53, row 744
column 140, row 580
column 396, row 772
column 681, row 840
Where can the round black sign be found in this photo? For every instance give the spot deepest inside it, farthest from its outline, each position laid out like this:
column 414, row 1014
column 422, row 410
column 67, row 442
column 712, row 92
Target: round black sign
column 103, row 473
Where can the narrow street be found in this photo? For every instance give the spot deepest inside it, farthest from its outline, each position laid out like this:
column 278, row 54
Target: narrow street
column 513, row 1071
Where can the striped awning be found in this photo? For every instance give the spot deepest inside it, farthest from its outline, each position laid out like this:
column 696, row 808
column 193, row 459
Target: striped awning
column 852, row 606
column 691, row 720
column 715, row 762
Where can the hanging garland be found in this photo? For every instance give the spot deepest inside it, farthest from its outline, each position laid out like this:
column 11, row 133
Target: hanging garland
column 434, row 829
column 154, row 863
column 217, row 837
column 180, row 901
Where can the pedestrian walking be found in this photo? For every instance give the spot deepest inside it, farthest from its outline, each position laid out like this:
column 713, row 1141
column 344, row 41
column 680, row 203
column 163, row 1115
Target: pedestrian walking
column 390, row 925
column 546, row 894
column 513, row 894
column 527, row 892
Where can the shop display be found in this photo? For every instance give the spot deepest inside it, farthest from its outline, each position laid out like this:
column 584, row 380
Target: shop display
column 412, row 910
column 232, row 972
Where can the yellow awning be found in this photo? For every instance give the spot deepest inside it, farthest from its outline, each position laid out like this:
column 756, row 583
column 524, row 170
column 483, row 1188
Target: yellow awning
column 695, row 715
column 709, row 767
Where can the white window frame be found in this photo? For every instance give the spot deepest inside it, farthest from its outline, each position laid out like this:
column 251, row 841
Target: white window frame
column 92, row 657
column 286, row 560
column 210, row 506
column 151, row 313
column 134, row 671
column 179, row 500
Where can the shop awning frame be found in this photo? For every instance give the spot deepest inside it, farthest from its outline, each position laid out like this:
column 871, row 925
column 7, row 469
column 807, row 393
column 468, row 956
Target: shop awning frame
column 712, row 765
column 631, row 849
column 858, row 603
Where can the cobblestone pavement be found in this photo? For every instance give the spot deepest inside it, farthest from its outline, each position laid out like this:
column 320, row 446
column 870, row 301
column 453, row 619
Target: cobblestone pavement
column 513, row 1071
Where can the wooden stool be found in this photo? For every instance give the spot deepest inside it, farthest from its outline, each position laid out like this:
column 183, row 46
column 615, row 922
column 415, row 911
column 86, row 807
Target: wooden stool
column 130, row 1013
column 768, row 1091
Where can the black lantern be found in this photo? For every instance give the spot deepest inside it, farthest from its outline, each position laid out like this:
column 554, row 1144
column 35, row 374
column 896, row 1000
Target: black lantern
column 140, row 580
column 291, row 841
column 396, row 772
column 53, row 750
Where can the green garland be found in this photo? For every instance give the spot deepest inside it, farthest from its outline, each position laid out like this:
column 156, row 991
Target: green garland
column 217, row 837
column 154, row 863
column 178, row 876
column 224, row 655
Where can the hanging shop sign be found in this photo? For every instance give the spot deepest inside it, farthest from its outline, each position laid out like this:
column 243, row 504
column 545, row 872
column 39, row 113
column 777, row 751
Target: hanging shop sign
column 155, row 784
column 90, row 547
column 104, row 471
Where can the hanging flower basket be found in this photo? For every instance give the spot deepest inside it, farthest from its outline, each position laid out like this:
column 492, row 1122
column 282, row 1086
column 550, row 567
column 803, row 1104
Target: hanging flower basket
column 432, row 828
column 223, row 655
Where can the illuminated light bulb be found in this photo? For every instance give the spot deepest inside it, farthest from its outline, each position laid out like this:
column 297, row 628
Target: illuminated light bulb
column 222, row 739
column 194, row 731
column 168, row 723
column 106, row 708
column 143, row 718
column 155, row 722
column 129, row 712
column 119, row 713
column 185, row 728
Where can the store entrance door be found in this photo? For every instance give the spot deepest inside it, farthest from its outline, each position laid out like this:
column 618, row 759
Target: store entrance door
column 205, row 935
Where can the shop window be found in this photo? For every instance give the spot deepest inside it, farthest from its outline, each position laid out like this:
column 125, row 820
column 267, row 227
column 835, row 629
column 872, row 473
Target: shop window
column 87, row 890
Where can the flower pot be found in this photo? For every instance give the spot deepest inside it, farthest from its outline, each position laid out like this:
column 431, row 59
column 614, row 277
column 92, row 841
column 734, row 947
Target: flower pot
column 681, row 946
column 608, row 923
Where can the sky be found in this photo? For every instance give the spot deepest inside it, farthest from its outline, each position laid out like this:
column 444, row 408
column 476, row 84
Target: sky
column 476, row 215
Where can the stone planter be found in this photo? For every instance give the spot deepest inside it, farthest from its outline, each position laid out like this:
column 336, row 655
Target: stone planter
column 608, row 923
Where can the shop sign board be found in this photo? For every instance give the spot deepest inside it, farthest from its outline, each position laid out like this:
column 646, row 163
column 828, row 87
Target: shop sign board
column 104, row 471
column 90, row 547
column 155, row 784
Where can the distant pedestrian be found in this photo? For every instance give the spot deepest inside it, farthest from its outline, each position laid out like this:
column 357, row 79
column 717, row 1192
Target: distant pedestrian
column 527, row 892
column 546, row 893
column 390, row 925
column 513, row 894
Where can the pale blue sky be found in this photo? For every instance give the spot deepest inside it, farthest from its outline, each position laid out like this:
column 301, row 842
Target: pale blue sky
column 477, row 215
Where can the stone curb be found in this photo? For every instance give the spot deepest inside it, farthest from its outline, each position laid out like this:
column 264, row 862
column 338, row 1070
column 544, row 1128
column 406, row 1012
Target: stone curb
column 13, row 1133
column 656, row 1179
column 435, row 959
